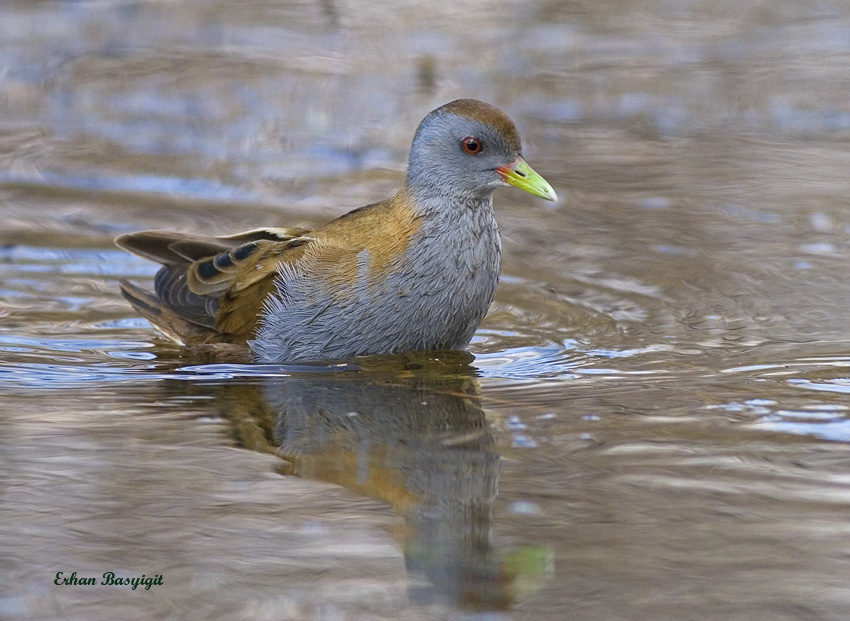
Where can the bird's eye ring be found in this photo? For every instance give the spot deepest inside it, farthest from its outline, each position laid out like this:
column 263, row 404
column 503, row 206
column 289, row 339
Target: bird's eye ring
column 471, row 145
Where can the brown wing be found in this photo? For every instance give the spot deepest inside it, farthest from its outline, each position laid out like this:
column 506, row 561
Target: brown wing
column 243, row 279
column 197, row 271
column 218, row 285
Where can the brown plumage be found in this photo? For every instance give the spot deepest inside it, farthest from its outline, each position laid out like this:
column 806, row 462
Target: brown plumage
column 211, row 289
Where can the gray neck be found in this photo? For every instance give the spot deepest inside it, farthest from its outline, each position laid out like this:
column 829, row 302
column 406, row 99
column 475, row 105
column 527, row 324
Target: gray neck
column 436, row 200
column 457, row 249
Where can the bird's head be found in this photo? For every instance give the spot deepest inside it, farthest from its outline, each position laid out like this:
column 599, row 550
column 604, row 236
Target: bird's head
column 466, row 149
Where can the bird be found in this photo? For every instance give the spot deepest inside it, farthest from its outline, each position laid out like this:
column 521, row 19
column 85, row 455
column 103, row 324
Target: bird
column 415, row 272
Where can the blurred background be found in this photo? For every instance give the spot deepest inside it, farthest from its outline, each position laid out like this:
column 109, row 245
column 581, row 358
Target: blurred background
column 655, row 422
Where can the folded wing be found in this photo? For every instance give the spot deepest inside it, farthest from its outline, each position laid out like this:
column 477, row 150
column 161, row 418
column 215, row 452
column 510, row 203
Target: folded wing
column 210, row 289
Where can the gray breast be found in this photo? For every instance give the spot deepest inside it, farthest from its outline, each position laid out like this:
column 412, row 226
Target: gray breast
column 433, row 298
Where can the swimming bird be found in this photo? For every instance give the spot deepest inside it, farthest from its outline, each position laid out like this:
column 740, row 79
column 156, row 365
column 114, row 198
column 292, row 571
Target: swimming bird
column 414, row 272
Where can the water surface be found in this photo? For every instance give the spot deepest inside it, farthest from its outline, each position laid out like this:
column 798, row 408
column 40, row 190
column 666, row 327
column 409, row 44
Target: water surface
column 653, row 422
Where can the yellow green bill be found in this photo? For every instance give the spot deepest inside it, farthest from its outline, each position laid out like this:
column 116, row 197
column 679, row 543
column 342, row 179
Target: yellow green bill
column 521, row 175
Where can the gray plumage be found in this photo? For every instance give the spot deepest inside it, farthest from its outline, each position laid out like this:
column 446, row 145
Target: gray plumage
column 435, row 300
column 415, row 272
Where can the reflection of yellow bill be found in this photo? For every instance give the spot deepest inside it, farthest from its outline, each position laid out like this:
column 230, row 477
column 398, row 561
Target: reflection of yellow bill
column 530, row 567
column 521, row 175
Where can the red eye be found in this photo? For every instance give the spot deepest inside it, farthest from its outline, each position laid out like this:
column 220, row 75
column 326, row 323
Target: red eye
column 472, row 145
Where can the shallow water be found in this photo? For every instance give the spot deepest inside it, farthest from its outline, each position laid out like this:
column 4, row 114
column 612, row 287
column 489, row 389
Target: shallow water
column 655, row 423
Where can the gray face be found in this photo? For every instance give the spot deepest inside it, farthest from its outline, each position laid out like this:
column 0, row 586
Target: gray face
column 440, row 164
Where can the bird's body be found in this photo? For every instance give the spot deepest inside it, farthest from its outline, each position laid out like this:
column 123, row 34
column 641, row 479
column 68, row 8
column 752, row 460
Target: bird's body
column 414, row 272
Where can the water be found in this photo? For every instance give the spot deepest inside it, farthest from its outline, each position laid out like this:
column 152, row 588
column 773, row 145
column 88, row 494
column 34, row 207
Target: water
column 653, row 423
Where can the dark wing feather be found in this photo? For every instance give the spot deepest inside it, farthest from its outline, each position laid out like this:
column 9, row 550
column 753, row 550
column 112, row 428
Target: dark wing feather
column 164, row 247
column 167, row 321
column 197, row 271
column 172, row 289
column 267, row 234
column 169, row 247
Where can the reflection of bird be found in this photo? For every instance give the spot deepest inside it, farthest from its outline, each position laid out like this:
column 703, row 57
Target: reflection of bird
column 414, row 272
column 421, row 447
column 408, row 430
column 414, row 439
